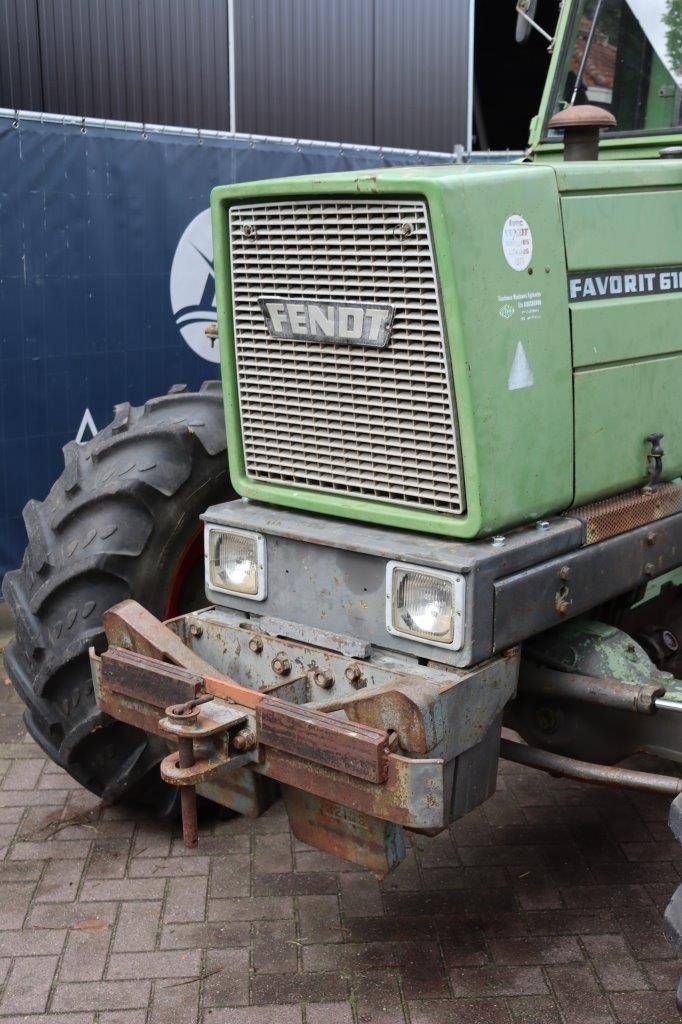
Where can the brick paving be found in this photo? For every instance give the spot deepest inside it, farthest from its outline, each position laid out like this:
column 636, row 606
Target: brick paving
column 542, row 907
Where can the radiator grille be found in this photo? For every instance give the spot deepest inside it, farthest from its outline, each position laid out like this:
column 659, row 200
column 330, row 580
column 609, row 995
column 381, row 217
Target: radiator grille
column 338, row 418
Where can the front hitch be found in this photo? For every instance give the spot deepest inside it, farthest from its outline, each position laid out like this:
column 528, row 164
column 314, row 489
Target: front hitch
column 412, row 748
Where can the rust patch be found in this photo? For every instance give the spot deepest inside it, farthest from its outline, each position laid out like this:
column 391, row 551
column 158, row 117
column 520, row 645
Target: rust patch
column 354, row 749
column 623, row 512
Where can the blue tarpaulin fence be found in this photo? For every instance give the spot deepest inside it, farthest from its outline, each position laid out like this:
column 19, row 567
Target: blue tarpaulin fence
column 93, row 216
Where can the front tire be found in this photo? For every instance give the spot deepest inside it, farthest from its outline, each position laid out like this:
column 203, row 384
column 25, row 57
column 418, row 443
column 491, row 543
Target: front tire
column 121, row 521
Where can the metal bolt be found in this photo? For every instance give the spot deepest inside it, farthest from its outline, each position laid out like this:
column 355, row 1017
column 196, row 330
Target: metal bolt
column 564, row 572
column 256, row 645
column 561, row 602
column 405, row 229
column 542, row 524
column 651, row 539
column 244, row 740
column 354, row 676
column 499, row 541
column 323, row 677
column 649, row 569
column 281, row 665
column 249, row 230
column 196, row 630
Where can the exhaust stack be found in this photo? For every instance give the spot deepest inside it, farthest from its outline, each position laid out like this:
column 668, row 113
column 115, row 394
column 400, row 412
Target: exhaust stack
column 581, row 126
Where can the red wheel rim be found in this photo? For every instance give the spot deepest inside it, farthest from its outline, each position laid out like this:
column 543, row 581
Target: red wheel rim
column 191, row 554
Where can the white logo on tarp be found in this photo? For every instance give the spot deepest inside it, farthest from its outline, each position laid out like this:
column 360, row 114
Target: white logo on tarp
column 517, row 242
column 87, row 423
column 192, row 286
column 521, row 373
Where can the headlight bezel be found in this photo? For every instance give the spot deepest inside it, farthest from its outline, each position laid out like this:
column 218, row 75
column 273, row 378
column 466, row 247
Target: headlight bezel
column 261, row 562
column 458, row 586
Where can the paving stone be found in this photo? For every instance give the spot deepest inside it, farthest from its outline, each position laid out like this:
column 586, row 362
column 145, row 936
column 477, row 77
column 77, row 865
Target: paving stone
column 60, row 880
column 176, row 1002
column 137, row 927
column 546, row 950
column 226, row 975
column 85, row 953
column 71, row 915
column 120, row 1017
column 59, row 849
column 21, row 871
column 28, row 986
column 123, row 889
column 498, row 981
column 256, row 1015
column 274, row 947
column 542, row 907
column 23, row 774
column 533, row 1010
column 571, row 922
column 185, row 900
column 31, row 942
column 296, row 988
column 108, row 858
column 272, row 853
column 207, row 935
column 256, row 908
column 168, row 867
column 325, row 1013
column 461, row 1011
column 578, row 995
column 664, row 975
column 152, row 840
column 319, row 919
column 15, row 899
column 377, row 998
column 230, row 877
column 294, row 883
column 102, row 995
column 349, row 957
column 645, row 1008
column 613, row 963
column 170, row 964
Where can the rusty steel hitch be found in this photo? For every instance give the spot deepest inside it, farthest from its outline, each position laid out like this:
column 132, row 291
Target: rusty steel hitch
column 178, row 723
column 355, row 768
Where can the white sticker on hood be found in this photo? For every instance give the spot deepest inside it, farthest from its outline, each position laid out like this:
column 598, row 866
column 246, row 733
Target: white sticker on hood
column 517, row 242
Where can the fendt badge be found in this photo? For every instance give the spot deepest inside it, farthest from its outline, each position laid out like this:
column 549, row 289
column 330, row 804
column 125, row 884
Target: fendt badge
column 335, row 323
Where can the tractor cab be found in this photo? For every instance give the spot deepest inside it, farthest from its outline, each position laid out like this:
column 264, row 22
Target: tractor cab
column 624, row 56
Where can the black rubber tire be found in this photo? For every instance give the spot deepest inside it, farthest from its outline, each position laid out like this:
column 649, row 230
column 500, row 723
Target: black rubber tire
column 114, row 525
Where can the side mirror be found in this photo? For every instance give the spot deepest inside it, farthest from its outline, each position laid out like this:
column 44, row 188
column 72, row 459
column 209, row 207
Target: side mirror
column 525, row 16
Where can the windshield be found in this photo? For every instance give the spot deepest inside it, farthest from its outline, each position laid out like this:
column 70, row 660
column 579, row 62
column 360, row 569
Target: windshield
column 626, row 56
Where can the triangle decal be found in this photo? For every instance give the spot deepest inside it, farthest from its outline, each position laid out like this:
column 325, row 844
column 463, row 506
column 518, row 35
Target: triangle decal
column 521, row 373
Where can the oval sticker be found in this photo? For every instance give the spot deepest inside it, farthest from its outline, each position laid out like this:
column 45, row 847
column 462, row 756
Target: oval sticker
column 517, row 242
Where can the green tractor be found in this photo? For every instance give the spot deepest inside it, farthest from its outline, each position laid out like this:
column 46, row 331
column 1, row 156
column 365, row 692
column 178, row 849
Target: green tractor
column 454, row 439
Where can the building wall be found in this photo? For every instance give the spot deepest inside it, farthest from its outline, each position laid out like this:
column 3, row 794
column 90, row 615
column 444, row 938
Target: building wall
column 383, row 72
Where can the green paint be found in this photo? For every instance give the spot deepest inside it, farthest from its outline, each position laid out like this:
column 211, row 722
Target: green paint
column 615, row 408
column 634, row 228
column 611, row 332
column 596, row 649
column 605, row 373
column 517, row 446
column 627, row 353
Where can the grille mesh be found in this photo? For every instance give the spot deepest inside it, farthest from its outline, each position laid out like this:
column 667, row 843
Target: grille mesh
column 337, row 418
